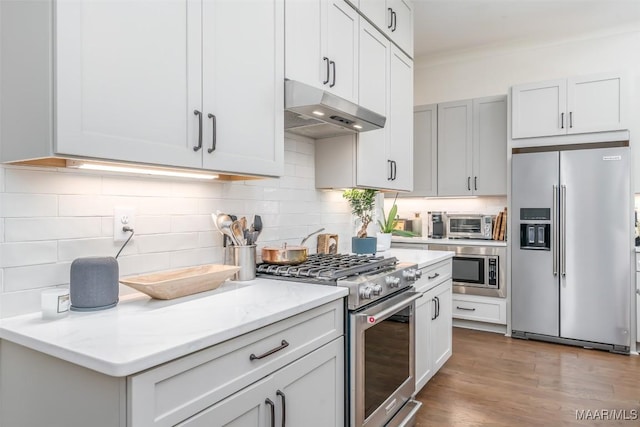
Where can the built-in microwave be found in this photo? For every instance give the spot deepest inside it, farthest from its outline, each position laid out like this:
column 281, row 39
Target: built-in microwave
column 469, row 226
column 477, row 270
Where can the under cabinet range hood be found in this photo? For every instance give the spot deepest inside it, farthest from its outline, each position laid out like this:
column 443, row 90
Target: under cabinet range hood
column 316, row 113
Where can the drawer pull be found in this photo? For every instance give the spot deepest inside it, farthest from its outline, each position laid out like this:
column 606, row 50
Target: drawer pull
column 283, row 344
column 465, row 309
column 433, row 277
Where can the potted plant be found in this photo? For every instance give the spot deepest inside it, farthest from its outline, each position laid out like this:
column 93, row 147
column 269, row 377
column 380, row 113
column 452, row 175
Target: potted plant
column 362, row 202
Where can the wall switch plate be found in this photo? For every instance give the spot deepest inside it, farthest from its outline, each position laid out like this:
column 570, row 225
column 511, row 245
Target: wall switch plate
column 123, row 216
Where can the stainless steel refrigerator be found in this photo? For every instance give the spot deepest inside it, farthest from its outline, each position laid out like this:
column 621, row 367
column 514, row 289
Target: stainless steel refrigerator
column 572, row 246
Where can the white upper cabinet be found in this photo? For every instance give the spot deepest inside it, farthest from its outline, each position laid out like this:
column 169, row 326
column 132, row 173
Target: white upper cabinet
column 141, row 81
column 129, row 94
column 472, row 147
column 322, row 45
column 243, row 86
column 568, row 106
column 394, row 18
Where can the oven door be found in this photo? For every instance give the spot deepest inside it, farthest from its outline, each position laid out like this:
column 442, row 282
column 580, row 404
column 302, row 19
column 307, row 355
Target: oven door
column 381, row 359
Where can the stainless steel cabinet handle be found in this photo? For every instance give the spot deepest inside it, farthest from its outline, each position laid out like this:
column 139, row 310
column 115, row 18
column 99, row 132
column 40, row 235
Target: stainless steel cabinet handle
column 283, row 344
column 562, row 121
column 465, row 308
column 435, row 309
column 333, row 66
column 284, row 407
column 273, row 411
column 390, row 177
column 554, row 230
column 394, row 19
column 433, row 277
column 213, row 139
column 326, row 60
column 199, row 114
column 390, row 18
column 394, row 169
column 475, row 183
column 563, row 230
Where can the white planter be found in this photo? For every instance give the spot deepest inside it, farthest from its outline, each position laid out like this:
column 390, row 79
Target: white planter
column 384, row 241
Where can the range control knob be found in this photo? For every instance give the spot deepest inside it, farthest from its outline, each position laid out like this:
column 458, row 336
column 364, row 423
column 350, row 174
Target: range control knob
column 394, row 282
column 365, row 292
column 418, row 274
column 377, row 289
column 409, row 274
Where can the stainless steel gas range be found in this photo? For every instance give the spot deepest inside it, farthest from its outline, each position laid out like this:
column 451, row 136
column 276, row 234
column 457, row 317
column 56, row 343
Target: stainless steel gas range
column 380, row 331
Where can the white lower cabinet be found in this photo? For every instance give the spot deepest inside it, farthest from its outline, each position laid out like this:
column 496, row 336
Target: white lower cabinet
column 308, row 392
column 433, row 323
column 480, row 308
column 293, row 368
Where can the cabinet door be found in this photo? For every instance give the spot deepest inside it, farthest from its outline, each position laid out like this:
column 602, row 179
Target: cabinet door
column 490, row 146
column 594, row 103
column 400, row 120
column 243, row 84
column 539, row 109
column 454, row 148
column 401, row 30
column 372, row 170
column 441, row 327
column 128, row 80
column 424, row 313
column 425, row 151
column 246, row 408
column 303, row 42
column 310, row 391
column 342, row 49
column 376, row 11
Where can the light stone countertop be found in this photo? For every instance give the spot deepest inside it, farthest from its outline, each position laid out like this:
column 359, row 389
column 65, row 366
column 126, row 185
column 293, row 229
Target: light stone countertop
column 140, row 332
column 447, row 241
column 422, row 257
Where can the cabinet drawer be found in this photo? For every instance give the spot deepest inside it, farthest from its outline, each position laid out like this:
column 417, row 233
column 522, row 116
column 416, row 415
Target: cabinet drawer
column 170, row 393
column 490, row 310
column 433, row 276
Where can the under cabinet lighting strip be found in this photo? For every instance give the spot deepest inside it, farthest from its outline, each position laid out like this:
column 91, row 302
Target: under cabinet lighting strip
column 137, row 170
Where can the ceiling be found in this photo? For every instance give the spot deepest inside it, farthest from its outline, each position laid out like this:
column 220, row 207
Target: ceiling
column 445, row 27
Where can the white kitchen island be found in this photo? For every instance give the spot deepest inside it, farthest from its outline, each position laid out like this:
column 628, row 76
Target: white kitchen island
column 193, row 360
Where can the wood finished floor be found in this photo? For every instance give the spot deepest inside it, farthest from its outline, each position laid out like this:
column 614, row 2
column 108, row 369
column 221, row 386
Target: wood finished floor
column 493, row 380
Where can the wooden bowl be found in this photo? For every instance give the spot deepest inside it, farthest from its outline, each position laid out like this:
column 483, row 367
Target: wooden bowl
column 172, row 284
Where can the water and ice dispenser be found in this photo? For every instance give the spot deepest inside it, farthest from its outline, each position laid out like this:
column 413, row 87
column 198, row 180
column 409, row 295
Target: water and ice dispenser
column 535, row 235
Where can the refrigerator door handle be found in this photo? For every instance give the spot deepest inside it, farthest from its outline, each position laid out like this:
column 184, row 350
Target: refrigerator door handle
column 554, row 230
column 563, row 230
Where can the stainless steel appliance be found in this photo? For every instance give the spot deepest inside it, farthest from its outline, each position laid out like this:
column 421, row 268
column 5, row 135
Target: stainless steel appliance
column 381, row 328
column 478, row 270
column 436, row 225
column 316, row 113
column 571, row 271
column 469, row 226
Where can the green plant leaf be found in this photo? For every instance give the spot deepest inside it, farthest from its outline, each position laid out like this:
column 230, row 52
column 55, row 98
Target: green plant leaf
column 403, row 233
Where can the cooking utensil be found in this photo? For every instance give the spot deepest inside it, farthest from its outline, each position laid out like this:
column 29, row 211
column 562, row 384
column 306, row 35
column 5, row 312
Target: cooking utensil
column 286, row 255
column 238, row 233
column 223, row 224
column 315, row 232
column 257, row 227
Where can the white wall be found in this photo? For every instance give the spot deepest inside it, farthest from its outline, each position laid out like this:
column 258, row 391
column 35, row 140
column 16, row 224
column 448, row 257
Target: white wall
column 50, row 217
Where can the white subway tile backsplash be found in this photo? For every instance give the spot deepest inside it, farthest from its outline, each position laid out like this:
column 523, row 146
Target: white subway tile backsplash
column 27, row 180
column 16, row 205
column 33, row 229
column 29, row 253
column 52, row 216
column 35, row 276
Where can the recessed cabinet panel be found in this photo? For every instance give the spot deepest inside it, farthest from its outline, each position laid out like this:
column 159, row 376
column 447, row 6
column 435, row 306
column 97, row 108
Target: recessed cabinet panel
column 400, row 121
column 342, row 50
column 247, row 105
column 539, row 109
column 303, row 43
column 128, row 94
column 454, row 148
column 595, row 104
column 425, row 151
column 489, row 146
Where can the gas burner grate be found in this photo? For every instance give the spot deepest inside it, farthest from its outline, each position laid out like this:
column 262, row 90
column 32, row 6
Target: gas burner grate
column 329, row 267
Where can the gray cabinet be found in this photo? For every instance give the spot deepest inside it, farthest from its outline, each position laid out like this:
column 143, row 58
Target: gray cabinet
column 425, row 151
column 472, row 147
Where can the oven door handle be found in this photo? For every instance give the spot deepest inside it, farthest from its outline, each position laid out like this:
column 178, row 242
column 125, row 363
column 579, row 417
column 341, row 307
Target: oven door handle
column 387, row 308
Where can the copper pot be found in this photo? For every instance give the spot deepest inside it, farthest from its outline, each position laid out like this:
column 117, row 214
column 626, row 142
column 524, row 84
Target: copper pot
column 286, row 255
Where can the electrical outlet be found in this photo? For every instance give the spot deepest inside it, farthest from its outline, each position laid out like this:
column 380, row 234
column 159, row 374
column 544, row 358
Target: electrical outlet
column 123, row 216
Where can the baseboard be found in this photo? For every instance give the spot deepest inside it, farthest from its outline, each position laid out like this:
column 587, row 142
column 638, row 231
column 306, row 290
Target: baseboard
column 480, row 326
